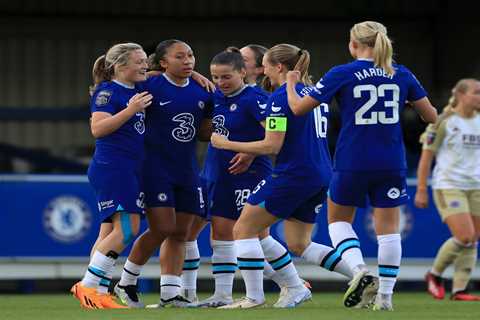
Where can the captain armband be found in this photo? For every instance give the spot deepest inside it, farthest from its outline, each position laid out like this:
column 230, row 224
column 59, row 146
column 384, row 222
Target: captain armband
column 278, row 124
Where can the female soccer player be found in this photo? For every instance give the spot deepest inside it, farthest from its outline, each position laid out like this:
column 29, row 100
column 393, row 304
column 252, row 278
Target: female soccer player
column 240, row 112
column 179, row 113
column 370, row 157
column 252, row 57
column 117, row 123
column 297, row 185
column 455, row 142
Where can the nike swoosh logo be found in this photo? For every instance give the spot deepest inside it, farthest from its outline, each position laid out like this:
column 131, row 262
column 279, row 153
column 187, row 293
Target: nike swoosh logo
column 276, row 109
column 164, row 103
column 216, row 105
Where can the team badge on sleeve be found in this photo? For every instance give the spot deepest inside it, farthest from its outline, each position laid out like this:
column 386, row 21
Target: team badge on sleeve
column 103, row 97
column 430, row 138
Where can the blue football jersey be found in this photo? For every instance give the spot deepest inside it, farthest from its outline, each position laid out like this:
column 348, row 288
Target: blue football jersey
column 238, row 117
column 125, row 146
column 173, row 120
column 370, row 102
column 304, row 153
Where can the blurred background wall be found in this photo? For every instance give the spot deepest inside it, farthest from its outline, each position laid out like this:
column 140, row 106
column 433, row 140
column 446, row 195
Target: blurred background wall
column 47, row 49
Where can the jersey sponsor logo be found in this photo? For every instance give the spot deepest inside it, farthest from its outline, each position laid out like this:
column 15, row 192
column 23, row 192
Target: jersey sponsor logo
column 393, row 193
column 261, row 105
column 103, row 97
column 201, row 104
column 67, row 219
column 140, row 124
column 219, row 125
column 275, row 109
column 233, row 107
column 185, row 132
column 162, row 197
column 454, row 204
column 431, row 138
column 104, row 205
column 162, row 103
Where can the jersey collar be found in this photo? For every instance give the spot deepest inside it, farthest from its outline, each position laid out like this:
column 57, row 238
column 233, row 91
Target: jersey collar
column 175, row 84
column 236, row 93
column 121, row 84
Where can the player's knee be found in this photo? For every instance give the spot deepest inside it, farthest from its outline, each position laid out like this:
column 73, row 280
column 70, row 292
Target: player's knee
column 296, row 247
column 466, row 239
column 162, row 231
column 179, row 234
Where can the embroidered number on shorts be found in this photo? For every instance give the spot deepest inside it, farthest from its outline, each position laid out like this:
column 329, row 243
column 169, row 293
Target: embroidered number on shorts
column 259, row 185
column 241, row 196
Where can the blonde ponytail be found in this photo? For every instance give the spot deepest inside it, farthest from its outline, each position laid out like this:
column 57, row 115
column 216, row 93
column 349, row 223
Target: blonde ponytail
column 374, row 35
column 293, row 58
column 104, row 66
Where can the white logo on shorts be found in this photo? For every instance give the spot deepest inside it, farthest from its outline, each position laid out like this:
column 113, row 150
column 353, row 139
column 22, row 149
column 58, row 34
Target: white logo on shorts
column 318, row 208
column 162, row 197
column 393, row 193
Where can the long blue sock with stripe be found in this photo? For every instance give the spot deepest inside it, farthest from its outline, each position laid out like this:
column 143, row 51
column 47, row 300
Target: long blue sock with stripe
column 190, row 270
column 281, row 262
column 99, row 271
column 328, row 258
column 345, row 241
column 224, row 265
column 250, row 262
column 389, row 257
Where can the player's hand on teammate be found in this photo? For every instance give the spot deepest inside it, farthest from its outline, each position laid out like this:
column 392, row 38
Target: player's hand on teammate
column 218, row 140
column 203, row 81
column 293, row 76
column 140, row 101
column 240, row 163
column 421, row 199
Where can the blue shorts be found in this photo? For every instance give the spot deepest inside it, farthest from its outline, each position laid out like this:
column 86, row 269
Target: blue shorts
column 116, row 190
column 162, row 193
column 203, row 199
column 285, row 198
column 227, row 196
column 380, row 189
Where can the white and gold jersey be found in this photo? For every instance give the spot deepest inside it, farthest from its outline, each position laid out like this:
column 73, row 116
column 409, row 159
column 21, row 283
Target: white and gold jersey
column 456, row 142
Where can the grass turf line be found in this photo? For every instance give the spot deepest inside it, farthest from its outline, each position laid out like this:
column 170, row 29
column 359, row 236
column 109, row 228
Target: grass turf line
column 324, row 306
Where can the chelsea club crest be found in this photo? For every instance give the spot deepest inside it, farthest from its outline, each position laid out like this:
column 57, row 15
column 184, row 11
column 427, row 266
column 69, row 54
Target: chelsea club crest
column 67, row 219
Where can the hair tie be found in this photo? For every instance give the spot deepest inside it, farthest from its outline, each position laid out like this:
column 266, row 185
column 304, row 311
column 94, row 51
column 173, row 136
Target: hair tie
column 300, row 52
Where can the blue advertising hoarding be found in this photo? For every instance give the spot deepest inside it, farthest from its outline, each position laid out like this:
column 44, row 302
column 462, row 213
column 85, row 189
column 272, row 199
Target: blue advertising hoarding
column 48, row 216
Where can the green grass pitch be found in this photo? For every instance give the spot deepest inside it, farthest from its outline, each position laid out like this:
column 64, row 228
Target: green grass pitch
column 411, row 306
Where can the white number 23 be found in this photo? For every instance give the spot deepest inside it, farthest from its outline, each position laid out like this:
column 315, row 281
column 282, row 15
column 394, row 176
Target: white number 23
column 375, row 92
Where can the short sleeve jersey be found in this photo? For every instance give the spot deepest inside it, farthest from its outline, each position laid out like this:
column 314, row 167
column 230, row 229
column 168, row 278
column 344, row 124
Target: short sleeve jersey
column 125, row 146
column 304, row 155
column 173, row 121
column 239, row 118
column 456, row 142
column 370, row 102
